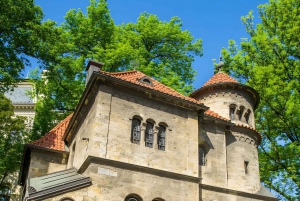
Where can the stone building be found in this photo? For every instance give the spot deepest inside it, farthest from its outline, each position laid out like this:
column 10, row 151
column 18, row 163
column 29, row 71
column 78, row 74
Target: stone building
column 132, row 138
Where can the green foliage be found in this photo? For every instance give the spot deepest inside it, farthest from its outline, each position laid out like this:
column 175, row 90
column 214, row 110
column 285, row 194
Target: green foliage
column 159, row 49
column 269, row 62
column 13, row 137
column 20, row 34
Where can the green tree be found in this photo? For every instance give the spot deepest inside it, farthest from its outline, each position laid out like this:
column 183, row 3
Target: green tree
column 160, row 49
column 269, row 62
column 13, row 136
column 21, row 34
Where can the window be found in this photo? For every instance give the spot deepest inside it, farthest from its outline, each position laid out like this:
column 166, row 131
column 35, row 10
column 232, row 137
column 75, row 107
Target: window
column 158, row 199
column 161, row 138
column 136, row 131
column 133, row 198
column 246, row 163
column 241, row 111
column 5, row 193
column 247, row 116
column 149, row 135
column 231, row 111
column 66, row 199
column 202, row 156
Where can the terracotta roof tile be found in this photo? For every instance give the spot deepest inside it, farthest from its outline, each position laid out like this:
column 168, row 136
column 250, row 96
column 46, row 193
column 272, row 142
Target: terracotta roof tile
column 53, row 139
column 246, row 126
column 213, row 114
column 135, row 76
column 219, row 78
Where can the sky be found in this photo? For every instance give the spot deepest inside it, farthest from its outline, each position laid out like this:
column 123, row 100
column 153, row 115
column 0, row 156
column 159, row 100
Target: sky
column 214, row 21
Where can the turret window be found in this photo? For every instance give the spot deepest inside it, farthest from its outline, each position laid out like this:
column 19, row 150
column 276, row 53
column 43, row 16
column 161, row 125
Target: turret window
column 136, row 131
column 161, row 138
column 149, row 135
column 202, row 156
column 247, row 116
column 232, row 108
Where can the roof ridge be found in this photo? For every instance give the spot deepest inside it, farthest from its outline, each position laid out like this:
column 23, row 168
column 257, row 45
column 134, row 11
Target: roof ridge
column 135, row 76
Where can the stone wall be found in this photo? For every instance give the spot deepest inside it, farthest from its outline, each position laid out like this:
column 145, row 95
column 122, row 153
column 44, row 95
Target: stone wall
column 107, row 126
column 44, row 162
column 114, row 184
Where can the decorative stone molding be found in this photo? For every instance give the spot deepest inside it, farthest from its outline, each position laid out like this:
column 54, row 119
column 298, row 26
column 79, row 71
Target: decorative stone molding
column 245, row 138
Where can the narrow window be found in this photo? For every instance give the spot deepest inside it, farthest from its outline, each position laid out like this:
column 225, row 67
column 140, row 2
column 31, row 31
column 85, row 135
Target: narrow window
column 241, row 111
column 232, row 111
column 246, row 163
column 136, row 131
column 149, row 135
column 247, row 116
column 202, row 155
column 161, row 138
column 5, row 193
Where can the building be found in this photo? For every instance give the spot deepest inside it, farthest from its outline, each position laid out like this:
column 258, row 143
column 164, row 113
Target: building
column 132, row 138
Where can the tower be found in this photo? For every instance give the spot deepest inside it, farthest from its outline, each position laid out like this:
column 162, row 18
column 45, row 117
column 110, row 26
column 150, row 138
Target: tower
column 237, row 102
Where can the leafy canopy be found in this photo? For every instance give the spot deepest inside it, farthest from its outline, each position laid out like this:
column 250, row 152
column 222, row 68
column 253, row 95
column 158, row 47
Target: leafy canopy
column 160, row 49
column 269, row 62
column 13, row 137
column 21, row 35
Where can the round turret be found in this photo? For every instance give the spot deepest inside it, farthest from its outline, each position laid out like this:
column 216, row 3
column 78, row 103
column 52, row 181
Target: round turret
column 232, row 100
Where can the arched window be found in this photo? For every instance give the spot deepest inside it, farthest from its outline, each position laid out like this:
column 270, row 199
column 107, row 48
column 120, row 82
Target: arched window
column 66, row 199
column 133, row 197
column 149, row 135
column 232, row 108
column 247, row 116
column 158, row 199
column 136, row 131
column 241, row 111
column 202, row 156
column 161, row 138
column 5, row 193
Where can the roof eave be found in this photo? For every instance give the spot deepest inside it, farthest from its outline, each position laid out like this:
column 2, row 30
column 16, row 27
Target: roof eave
column 253, row 91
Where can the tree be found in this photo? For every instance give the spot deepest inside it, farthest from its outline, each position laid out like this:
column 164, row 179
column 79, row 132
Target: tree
column 13, row 137
column 21, row 35
column 269, row 62
column 160, row 49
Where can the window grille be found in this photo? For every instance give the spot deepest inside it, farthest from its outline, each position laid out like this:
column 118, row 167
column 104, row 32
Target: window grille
column 161, row 138
column 136, row 131
column 149, row 135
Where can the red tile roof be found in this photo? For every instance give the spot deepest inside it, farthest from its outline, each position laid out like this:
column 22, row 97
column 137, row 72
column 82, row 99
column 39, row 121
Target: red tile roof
column 246, row 126
column 213, row 114
column 220, row 78
column 53, row 139
column 135, row 76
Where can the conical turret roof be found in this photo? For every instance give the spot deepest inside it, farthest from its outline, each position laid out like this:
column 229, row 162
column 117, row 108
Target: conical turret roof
column 220, row 78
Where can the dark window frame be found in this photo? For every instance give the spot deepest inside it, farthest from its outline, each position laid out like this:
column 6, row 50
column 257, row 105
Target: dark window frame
column 161, row 138
column 149, row 134
column 136, row 131
column 202, row 155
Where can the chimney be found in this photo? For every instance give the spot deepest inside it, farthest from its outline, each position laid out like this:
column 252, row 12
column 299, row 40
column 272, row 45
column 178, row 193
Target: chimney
column 92, row 66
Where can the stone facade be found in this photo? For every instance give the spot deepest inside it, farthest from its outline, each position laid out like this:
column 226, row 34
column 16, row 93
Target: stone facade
column 100, row 146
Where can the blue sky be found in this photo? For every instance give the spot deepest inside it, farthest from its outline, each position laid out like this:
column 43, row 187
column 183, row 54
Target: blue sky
column 214, row 21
